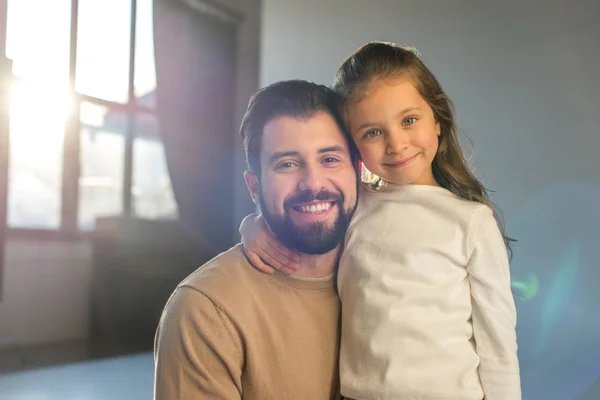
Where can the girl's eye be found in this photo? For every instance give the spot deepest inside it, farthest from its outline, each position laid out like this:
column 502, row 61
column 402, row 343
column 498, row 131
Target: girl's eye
column 372, row 133
column 409, row 121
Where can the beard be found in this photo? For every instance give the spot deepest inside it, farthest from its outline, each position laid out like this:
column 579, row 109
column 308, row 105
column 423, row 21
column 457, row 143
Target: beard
column 312, row 238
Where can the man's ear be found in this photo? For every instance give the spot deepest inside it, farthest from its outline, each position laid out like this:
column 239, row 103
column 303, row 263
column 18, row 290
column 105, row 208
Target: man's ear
column 252, row 184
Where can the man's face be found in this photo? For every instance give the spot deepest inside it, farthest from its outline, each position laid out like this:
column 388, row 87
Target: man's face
column 307, row 190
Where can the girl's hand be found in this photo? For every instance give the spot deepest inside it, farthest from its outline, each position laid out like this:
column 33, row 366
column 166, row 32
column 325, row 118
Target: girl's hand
column 263, row 249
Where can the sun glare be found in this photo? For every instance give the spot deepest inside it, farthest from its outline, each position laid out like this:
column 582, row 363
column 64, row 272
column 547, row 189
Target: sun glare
column 40, row 101
column 37, row 117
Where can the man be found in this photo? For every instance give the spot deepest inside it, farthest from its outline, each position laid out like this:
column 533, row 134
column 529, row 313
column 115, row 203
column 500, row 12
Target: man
column 231, row 332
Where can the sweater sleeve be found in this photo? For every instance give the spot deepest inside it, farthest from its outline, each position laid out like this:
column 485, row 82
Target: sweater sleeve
column 494, row 313
column 197, row 354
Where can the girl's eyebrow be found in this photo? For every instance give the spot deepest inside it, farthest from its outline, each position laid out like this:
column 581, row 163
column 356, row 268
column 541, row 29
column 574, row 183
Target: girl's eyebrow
column 407, row 110
column 399, row 113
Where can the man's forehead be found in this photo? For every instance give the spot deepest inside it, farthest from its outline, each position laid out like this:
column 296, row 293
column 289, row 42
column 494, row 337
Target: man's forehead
column 303, row 135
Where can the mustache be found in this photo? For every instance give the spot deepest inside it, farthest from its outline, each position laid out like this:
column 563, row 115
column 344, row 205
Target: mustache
column 307, row 196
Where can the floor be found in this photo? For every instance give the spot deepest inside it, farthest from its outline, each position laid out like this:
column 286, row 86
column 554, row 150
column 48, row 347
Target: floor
column 15, row 359
column 128, row 378
column 120, row 378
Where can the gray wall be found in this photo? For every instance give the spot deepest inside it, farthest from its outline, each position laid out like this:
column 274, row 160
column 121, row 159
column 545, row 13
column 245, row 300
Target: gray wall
column 524, row 79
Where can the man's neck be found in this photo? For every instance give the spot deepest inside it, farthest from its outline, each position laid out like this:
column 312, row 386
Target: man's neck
column 318, row 266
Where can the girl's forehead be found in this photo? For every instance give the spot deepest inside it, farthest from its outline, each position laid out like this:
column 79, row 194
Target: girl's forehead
column 373, row 85
column 385, row 94
column 400, row 83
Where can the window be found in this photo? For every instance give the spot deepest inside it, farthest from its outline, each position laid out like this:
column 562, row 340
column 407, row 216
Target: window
column 151, row 191
column 39, row 106
column 102, row 144
column 109, row 113
column 37, row 125
column 103, row 37
column 145, row 71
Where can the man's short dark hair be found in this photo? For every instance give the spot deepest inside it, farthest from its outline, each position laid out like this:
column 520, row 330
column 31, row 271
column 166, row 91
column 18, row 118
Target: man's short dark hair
column 295, row 98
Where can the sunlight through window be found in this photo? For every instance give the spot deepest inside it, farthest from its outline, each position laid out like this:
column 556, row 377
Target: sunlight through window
column 102, row 164
column 38, row 43
column 39, row 105
column 145, row 70
column 103, row 35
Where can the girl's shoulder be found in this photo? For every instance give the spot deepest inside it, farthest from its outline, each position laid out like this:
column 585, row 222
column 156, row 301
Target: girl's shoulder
column 419, row 205
column 424, row 194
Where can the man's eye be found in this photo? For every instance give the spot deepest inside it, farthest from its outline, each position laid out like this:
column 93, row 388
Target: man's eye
column 372, row 133
column 330, row 160
column 285, row 165
column 409, row 121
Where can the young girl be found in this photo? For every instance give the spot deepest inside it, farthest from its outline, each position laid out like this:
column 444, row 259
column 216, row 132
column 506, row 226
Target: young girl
column 427, row 309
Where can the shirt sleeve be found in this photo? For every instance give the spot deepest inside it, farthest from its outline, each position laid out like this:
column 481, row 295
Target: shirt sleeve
column 197, row 354
column 494, row 313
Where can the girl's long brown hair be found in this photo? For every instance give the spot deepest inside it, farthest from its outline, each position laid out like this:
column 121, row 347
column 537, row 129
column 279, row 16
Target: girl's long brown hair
column 383, row 60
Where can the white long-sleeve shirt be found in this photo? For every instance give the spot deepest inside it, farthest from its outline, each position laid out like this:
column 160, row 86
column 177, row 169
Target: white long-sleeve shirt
column 427, row 309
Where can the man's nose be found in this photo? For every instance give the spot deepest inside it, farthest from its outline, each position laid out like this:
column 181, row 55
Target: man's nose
column 313, row 179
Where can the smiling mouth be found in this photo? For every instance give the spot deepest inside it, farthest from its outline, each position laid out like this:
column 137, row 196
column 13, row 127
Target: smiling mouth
column 402, row 163
column 314, row 208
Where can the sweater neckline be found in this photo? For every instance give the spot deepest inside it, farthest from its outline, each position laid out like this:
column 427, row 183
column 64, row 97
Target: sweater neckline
column 304, row 283
column 295, row 282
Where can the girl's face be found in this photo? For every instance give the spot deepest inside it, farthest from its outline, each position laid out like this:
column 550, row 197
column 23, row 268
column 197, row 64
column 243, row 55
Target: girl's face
column 395, row 131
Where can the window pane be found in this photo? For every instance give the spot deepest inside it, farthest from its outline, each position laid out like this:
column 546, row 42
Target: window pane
column 37, row 40
column 152, row 192
column 103, row 49
column 37, row 125
column 38, row 44
column 145, row 71
column 102, row 155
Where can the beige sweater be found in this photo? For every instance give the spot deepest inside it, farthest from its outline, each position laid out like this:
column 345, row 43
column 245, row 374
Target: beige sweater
column 231, row 332
column 427, row 309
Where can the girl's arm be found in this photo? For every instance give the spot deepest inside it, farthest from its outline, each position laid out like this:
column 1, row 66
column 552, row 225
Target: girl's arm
column 494, row 313
column 263, row 249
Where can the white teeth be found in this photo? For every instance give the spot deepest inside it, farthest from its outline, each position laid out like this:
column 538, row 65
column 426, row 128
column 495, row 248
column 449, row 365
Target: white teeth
column 315, row 208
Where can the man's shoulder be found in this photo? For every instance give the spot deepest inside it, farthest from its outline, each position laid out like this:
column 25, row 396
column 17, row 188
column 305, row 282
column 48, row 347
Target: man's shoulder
column 225, row 278
column 223, row 269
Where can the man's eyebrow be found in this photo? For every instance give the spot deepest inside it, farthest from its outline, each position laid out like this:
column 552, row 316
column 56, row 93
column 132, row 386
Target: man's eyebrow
column 280, row 154
column 332, row 149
